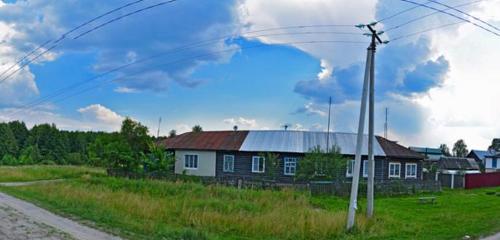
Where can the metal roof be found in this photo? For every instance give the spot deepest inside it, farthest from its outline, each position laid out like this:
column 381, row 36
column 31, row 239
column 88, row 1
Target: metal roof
column 426, row 150
column 392, row 149
column 456, row 163
column 481, row 154
column 302, row 142
column 210, row 140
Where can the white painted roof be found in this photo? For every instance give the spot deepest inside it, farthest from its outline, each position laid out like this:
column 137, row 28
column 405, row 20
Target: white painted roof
column 302, row 142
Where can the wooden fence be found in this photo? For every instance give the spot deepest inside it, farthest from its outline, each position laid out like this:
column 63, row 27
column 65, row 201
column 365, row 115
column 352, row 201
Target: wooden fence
column 382, row 188
column 338, row 188
column 482, row 180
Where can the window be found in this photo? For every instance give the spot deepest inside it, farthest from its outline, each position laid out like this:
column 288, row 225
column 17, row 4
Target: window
column 290, row 166
column 191, row 161
column 365, row 168
column 258, row 164
column 228, row 163
column 394, row 170
column 350, row 167
column 494, row 163
column 411, row 170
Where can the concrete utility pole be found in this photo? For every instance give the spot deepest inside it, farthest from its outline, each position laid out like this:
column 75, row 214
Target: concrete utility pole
column 159, row 125
column 328, row 129
column 386, row 125
column 369, row 83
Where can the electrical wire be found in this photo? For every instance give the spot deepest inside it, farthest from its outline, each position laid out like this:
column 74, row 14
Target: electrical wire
column 56, row 43
column 187, row 47
column 63, row 36
column 466, row 14
column 400, row 13
column 426, row 30
column 428, row 15
column 121, row 17
column 452, row 15
column 67, row 89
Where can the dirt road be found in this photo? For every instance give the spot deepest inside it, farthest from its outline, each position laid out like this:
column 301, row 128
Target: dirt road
column 20, row 220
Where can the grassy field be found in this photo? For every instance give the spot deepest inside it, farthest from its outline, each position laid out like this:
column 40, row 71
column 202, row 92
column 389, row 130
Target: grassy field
column 143, row 209
column 33, row 173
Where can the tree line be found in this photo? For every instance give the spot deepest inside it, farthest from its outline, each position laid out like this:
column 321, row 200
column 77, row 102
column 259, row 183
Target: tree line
column 460, row 148
column 131, row 149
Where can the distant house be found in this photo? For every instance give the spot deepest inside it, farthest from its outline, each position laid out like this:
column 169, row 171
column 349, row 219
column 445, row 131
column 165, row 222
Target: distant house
column 430, row 154
column 238, row 154
column 456, row 165
column 490, row 160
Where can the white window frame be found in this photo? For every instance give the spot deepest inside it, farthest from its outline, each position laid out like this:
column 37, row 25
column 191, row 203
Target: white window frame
column 399, row 170
column 351, row 163
column 231, row 169
column 288, row 164
column 193, row 163
column 406, row 170
column 365, row 168
column 257, row 158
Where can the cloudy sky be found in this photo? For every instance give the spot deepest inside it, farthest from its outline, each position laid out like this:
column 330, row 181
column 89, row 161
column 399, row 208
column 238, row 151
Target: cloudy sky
column 220, row 63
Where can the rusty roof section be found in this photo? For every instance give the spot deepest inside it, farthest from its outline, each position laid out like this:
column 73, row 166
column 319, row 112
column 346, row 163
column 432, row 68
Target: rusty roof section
column 210, row 140
column 392, row 149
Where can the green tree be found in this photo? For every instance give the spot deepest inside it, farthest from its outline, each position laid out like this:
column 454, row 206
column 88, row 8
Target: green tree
column 136, row 135
column 197, row 129
column 172, row 133
column 53, row 144
column 30, row 155
column 460, row 149
column 20, row 132
column 320, row 165
column 9, row 160
column 495, row 144
column 96, row 149
column 120, row 155
column 159, row 161
column 271, row 163
column 445, row 150
column 8, row 143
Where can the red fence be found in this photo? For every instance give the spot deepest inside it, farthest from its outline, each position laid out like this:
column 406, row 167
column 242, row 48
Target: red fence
column 482, row 180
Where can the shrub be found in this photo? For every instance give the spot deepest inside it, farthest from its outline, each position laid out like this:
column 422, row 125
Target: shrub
column 10, row 160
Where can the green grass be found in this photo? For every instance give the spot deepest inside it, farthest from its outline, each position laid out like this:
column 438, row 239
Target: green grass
column 144, row 209
column 34, row 173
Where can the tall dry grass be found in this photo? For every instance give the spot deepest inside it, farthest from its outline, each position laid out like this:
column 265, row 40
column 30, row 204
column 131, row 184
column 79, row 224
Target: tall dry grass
column 40, row 172
column 162, row 209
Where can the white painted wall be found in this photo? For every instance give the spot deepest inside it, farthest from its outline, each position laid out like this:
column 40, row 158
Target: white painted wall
column 206, row 163
column 489, row 165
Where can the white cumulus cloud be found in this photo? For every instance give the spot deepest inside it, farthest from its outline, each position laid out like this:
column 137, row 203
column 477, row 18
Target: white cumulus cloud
column 101, row 114
column 241, row 121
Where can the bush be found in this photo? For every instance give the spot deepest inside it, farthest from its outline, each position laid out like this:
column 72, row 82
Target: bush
column 74, row 159
column 9, row 160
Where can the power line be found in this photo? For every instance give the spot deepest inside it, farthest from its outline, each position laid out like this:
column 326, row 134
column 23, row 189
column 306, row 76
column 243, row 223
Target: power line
column 23, row 58
column 304, row 26
column 428, row 15
column 400, row 13
column 102, row 15
column 462, row 12
column 453, row 15
column 123, row 16
column 424, row 31
column 175, row 50
column 63, row 36
column 56, row 43
column 304, row 33
column 66, row 90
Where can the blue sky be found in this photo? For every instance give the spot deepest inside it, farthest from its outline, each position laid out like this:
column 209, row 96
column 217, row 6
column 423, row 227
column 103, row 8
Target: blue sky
column 256, row 81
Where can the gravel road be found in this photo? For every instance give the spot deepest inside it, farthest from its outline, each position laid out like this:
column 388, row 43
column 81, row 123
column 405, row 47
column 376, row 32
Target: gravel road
column 21, row 220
